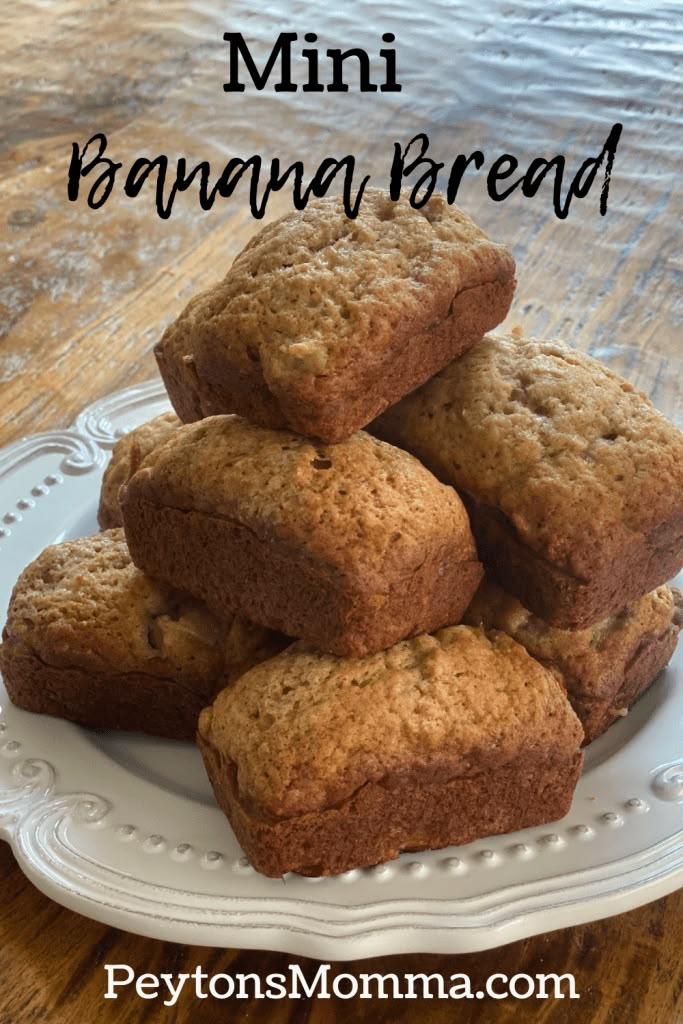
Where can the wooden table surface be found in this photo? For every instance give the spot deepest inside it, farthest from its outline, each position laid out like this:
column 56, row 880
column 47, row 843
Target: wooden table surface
column 84, row 294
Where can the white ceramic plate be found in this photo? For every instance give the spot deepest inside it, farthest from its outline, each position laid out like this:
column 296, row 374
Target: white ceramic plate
column 123, row 828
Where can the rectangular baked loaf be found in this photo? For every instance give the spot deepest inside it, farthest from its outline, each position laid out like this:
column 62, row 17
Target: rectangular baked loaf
column 126, row 456
column 605, row 667
column 351, row 546
column 323, row 321
column 325, row 764
column 573, row 480
column 91, row 639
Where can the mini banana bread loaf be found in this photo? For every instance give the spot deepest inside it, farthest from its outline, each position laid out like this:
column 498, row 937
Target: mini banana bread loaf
column 573, row 480
column 91, row 639
column 351, row 547
column 126, row 456
column 604, row 668
column 323, row 321
column 324, row 764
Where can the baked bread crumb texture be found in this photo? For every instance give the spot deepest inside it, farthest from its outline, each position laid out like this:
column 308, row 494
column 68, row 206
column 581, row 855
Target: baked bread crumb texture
column 392, row 572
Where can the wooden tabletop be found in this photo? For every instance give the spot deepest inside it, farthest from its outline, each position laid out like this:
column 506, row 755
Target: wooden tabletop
column 85, row 293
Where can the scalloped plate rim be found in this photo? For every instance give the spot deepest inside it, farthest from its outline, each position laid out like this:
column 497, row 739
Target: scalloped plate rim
column 84, row 447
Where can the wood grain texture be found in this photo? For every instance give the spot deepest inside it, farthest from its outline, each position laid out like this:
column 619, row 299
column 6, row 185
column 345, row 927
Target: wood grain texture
column 84, row 295
column 52, row 962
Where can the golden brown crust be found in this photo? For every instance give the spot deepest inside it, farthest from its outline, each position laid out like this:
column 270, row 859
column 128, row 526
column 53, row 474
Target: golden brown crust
column 574, row 482
column 126, row 456
column 323, row 764
column 352, row 546
column 323, row 321
column 90, row 638
column 605, row 667
column 383, row 819
column 134, row 701
column 307, row 730
column 648, row 660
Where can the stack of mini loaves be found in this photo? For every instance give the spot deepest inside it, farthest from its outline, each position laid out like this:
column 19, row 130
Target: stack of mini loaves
column 298, row 586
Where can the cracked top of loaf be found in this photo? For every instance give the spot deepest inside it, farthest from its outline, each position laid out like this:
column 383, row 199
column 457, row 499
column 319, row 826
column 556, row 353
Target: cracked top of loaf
column 590, row 661
column 311, row 289
column 82, row 603
column 360, row 507
column 578, row 460
column 306, row 730
column 126, row 456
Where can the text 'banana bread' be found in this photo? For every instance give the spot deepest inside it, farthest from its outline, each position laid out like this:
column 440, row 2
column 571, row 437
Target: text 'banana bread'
column 351, row 547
